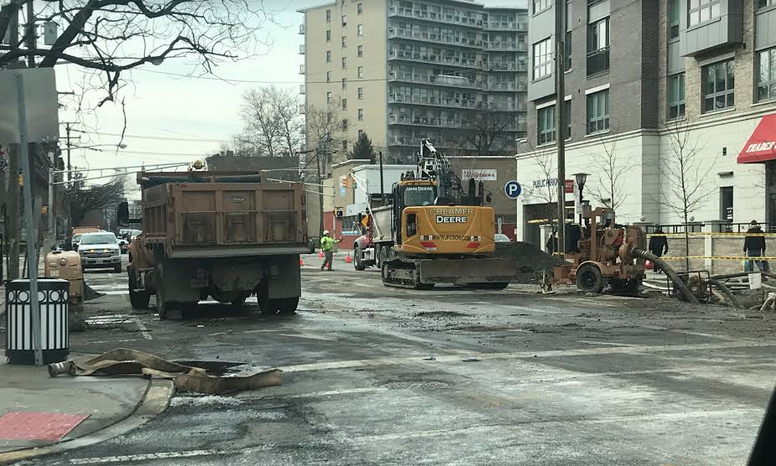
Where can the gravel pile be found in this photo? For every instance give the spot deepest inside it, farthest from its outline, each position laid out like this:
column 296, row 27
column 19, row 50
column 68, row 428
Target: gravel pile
column 531, row 261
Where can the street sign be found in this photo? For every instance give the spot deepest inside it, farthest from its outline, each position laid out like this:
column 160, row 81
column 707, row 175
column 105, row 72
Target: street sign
column 512, row 189
column 569, row 186
column 40, row 101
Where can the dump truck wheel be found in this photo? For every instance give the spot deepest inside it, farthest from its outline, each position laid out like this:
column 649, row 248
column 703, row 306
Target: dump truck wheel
column 382, row 255
column 238, row 303
column 117, row 269
column 288, row 305
column 268, row 306
column 138, row 299
column 589, row 279
column 358, row 262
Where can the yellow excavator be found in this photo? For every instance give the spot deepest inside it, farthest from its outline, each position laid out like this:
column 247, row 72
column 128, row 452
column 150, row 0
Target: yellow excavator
column 434, row 231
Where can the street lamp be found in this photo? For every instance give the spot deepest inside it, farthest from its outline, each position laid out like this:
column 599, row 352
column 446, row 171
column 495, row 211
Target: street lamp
column 581, row 179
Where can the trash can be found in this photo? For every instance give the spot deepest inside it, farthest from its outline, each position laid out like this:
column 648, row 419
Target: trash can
column 53, row 306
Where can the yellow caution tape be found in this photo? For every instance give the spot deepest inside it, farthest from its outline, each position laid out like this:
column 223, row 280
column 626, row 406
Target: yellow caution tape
column 722, row 258
column 681, row 235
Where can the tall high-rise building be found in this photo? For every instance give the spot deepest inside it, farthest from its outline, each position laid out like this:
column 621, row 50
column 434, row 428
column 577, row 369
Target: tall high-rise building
column 401, row 71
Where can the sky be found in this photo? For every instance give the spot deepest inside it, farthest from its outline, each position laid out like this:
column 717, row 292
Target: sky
column 181, row 119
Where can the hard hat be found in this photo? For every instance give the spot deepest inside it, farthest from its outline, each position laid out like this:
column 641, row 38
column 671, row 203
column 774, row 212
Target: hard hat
column 325, row 232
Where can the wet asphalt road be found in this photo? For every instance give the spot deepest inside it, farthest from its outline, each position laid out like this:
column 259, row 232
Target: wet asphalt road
column 376, row 375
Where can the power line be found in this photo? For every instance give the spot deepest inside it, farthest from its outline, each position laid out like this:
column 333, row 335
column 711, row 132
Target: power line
column 159, row 138
column 250, row 81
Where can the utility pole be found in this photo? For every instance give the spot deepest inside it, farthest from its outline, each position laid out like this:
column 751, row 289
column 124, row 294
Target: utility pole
column 69, row 168
column 560, row 119
column 13, row 227
column 30, row 35
column 320, row 191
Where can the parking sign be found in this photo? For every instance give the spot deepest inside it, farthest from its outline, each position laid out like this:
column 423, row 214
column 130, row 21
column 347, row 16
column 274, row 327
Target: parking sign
column 512, row 189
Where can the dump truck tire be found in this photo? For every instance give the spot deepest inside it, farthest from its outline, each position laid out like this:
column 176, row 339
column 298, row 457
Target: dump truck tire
column 138, row 299
column 589, row 279
column 358, row 262
column 288, row 305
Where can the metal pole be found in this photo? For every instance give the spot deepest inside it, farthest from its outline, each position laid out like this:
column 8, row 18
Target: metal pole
column 382, row 183
column 29, row 223
column 320, row 195
column 560, row 118
column 52, row 179
column 30, row 33
column 69, row 168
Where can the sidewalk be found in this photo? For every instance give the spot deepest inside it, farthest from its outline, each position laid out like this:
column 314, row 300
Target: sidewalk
column 50, row 407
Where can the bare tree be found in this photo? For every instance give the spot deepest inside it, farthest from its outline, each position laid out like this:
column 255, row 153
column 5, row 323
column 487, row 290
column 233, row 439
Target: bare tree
column 611, row 170
column 112, row 37
column 685, row 177
column 84, row 199
column 324, row 133
column 489, row 131
column 272, row 122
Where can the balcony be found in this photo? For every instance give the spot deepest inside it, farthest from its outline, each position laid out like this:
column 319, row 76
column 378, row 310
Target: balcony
column 501, row 26
column 394, row 54
column 301, row 29
column 432, row 101
column 425, row 121
column 505, row 66
column 598, row 61
column 501, row 86
column 501, row 46
column 433, row 37
column 435, row 17
column 302, row 90
column 435, row 80
column 301, row 49
column 301, row 69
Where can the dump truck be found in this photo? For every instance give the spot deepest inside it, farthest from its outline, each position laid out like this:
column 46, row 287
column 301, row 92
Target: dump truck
column 227, row 235
column 433, row 231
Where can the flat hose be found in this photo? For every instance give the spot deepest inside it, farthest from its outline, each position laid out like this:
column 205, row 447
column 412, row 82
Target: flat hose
column 686, row 293
column 726, row 291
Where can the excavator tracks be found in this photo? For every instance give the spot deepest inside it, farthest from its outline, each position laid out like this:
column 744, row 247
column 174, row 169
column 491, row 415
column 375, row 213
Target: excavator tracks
column 399, row 274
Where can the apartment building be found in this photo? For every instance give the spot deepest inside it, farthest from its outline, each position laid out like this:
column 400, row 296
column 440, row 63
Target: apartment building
column 402, row 71
column 652, row 86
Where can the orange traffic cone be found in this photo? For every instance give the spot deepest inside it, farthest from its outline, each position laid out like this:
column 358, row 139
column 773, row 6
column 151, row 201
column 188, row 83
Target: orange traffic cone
column 348, row 259
column 320, row 254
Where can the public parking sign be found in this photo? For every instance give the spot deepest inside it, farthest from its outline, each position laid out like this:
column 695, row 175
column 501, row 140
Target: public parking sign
column 512, row 189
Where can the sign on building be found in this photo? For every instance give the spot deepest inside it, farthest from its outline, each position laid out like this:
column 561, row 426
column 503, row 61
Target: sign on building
column 40, row 102
column 479, row 174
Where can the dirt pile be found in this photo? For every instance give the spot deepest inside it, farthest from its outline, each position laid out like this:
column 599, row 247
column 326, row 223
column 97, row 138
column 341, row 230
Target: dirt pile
column 531, row 261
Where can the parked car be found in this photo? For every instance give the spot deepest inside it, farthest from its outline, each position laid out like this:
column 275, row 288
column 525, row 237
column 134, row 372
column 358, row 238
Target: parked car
column 100, row 251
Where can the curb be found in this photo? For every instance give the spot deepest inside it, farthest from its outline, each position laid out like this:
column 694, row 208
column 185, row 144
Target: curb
column 155, row 400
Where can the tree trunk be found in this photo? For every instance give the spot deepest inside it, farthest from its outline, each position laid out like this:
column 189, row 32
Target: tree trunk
column 12, row 209
column 686, row 244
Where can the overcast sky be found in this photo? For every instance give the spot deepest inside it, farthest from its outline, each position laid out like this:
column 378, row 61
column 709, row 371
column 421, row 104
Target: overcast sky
column 175, row 119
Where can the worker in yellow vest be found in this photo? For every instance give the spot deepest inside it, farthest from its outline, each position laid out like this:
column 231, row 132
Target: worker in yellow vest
column 327, row 246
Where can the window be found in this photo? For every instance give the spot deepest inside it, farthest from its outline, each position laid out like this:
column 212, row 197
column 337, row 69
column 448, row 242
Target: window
column 718, row 86
column 360, row 114
column 360, row 93
column 328, row 56
column 344, row 42
column 765, row 3
column 360, row 7
column 360, row 51
column 673, row 19
column 344, row 62
column 345, row 146
column 328, row 16
column 676, row 96
column 542, row 59
column 567, row 40
column 703, row 10
column 360, row 72
column 328, row 97
column 598, row 47
column 344, row 20
column 344, row 104
column 598, row 112
column 360, row 133
column 344, row 83
column 541, row 5
column 344, row 124
column 546, row 123
column 360, row 30
column 328, row 76
column 328, row 36
column 766, row 75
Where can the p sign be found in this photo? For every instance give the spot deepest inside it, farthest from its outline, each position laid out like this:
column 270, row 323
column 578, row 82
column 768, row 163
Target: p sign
column 512, row 189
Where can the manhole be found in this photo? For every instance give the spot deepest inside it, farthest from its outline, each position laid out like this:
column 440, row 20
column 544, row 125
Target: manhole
column 418, row 385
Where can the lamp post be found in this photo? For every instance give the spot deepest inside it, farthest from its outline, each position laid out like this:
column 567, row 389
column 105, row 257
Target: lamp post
column 581, row 179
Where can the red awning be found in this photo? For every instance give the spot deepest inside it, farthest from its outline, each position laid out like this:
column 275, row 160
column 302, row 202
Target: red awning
column 761, row 145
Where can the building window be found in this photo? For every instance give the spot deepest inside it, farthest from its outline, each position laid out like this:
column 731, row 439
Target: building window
column 598, row 112
column 360, row 72
column 344, row 104
column 676, row 96
column 673, row 19
column 328, row 56
column 766, row 75
column 567, row 40
column 328, row 76
column 360, row 30
column 360, row 93
column 541, row 5
column 360, row 114
column 703, row 10
column 360, row 133
column 344, row 83
column 344, row 124
column 360, row 8
column 344, row 42
column 765, row 3
column 328, row 36
column 542, row 59
column 598, row 47
column 345, row 146
column 328, row 16
column 360, row 51
column 344, row 62
column 546, row 123
column 718, row 86
column 344, row 20
column 328, row 97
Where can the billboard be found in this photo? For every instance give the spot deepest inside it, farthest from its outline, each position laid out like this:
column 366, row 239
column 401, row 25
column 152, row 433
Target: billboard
column 479, row 174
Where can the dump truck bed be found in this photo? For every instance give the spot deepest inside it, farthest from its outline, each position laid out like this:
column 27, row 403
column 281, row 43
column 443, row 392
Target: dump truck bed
column 212, row 215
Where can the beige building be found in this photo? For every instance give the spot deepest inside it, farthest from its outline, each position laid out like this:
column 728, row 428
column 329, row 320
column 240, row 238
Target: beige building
column 402, row 71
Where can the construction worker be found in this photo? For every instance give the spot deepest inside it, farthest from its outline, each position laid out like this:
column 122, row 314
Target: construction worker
column 327, row 246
